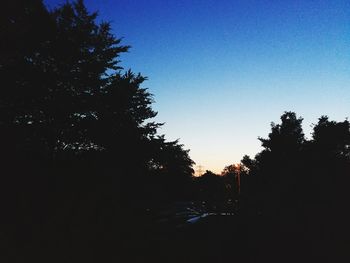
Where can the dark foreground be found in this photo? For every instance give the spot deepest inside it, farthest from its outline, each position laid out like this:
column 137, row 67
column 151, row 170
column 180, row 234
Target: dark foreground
column 216, row 237
column 237, row 239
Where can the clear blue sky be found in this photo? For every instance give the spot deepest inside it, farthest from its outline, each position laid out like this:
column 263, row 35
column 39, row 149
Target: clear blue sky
column 222, row 70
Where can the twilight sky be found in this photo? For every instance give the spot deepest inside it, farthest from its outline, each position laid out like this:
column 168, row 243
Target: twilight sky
column 222, row 70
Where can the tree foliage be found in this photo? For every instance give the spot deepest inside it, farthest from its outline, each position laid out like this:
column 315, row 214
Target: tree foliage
column 66, row 93
column 78, row 138
column 299, row 176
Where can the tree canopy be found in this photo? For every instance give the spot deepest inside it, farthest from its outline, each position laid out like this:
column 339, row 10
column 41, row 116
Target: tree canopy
column 67, row 94
column 77, row 130
column 294, row 172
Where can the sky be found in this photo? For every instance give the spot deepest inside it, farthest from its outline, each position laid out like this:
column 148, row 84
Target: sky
column 222, row 70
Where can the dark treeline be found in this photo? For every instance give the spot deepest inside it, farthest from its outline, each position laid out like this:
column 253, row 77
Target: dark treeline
column 291, row 172
column 294, row 173
column 293, row 196
column 85, row 173
column 300, row 189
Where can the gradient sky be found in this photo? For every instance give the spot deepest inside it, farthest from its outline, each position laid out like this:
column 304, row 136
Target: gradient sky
column 222, row 70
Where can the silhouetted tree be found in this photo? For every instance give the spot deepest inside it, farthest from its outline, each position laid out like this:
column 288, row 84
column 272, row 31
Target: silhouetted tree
column 278, row 164
column 78, row 142
column 332, row 137
column 287, row 137
column 172, row 166
column 232, row 177
column 328, row 167
column 212, row 190
column 300, row 185
column 72, row 97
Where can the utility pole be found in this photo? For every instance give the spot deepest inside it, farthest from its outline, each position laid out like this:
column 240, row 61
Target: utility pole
column 238, row 177
column 238, row 180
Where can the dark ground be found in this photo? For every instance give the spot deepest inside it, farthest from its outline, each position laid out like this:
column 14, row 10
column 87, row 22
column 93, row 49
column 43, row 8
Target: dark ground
column 240, row 239
column 160, row 238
